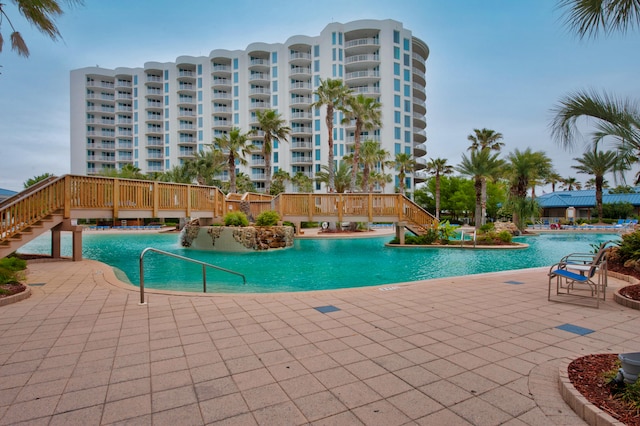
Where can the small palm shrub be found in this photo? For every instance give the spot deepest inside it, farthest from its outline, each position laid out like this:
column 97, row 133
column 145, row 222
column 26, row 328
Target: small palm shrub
column 267, row 218
column 236, row 219
column 505, row 236
column 629, row 248
column 10, row 268
column 487, row 228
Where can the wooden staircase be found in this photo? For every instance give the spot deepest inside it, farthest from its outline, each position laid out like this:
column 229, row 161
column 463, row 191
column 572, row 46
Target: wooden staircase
column 17, row 240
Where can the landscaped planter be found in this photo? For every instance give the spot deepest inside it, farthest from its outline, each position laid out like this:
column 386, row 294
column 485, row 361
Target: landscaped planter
column 236, row 238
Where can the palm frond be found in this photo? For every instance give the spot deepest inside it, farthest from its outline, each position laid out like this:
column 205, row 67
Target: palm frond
column 18, row 45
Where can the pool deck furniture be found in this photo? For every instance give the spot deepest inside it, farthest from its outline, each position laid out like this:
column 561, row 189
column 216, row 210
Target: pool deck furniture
column 478, row 349
column 579, row 276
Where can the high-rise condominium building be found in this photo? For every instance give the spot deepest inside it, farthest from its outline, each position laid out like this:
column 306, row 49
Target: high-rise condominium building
column 159, row 116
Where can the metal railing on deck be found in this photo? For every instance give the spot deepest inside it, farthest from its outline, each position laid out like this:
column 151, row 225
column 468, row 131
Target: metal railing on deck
column 204, row 269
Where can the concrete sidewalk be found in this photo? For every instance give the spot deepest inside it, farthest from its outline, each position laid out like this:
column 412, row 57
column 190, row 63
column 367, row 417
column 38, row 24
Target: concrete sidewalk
column 481, row 350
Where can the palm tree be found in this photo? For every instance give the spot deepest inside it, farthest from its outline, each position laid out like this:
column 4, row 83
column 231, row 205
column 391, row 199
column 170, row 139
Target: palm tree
column 273, row 126
column 244, row 183
column 302, row 182
column 480, row 165
column 523, row 168
column 591, row 184
column 342, row 176
column 570, row 183
column 333, row 94
column 235, row 146
column 205, row 165
column 32, row 181
column 587, row 18
column 553, row 178
column 485, row 139
column 371, row 155
column 177, row 174
column 599, row 163
column 367, row 114
column 380, row 178
column 40, row 14
column 438, row 167
column 280, row 179
column 404, row 163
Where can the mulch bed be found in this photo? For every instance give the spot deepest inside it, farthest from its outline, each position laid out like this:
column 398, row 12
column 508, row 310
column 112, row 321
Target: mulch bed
column 11, row 289
column 587, row 374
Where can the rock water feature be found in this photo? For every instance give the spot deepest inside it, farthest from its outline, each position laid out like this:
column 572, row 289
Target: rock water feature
column 235, row 238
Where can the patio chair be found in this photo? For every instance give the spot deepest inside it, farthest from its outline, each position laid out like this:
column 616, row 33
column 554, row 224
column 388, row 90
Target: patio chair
column 580, row 276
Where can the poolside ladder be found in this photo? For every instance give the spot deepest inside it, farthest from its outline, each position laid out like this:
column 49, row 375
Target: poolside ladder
column 462, row 238
column 204, row 269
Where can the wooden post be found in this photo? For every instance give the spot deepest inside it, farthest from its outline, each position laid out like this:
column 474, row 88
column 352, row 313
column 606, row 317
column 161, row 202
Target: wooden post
column 116, row 198
column 77, row 244
column 370, row 207
column 67, row 196
column 55, row 242
column 311, row 207
column 155, row 188
column 188, row 212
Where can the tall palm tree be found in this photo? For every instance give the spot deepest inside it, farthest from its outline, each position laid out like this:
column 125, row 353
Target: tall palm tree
column 280, row 179
column 599, row 163
column 368, row 115
column 570, row 183
column 342, row 176
column 480, row 165
column 523, row 168
column 371, row 155
column 332, row 93
column 273, row 126
column 302, row 182
column 588, row 18
column 380, row 178
column 438, row 167
column 42, row 14
column 404, row 163
column 235, row 146
column 553, row 178
column 485, row 139
column 205, row 165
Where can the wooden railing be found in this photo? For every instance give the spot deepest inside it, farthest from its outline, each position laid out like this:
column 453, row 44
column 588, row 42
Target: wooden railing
column 102, row 197
column 31, row 207
column 352, row 207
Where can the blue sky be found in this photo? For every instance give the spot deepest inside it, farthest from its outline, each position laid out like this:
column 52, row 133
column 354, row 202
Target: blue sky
column 499, row 64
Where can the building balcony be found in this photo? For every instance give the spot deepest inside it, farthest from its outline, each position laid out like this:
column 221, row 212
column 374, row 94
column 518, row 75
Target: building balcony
column 301, row 87
column 259, row 76
column 186, row 153
column 352, row 139
column 153, row 79
column 221, row 95
column 362, row 77
column 419, row 150
column 154, row 130
column 366, row 90
column 301, row 160
column 188, row 126
column 219, row 69
column 186, row 100
column 124, row 83
column 101, row 84
column 124, row 108
column 125, row 132
column 260, row 92
column 259, row 64
column 419, row 76
column 300, row 100
column 125, row 96
column 222, row 124
column 154, row 142
column 419, row 135
column 258, row 162
column 301, row 130
column 259, row 105
column 300, row 58
column 419, row 121
column 186, row 88
column 184, row 113
column 302, row 116
column 300, row 145
column 122, row 120
column 153, row 117
column 362, row 45
column 255, row 177
column 419, row 106
column 369, row 58
column 183, row 73
column 300, row 71
column 221, row 82
column 151, row 104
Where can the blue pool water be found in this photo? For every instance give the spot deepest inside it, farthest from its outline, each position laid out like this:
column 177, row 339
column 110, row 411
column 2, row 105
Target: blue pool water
column 312, row 264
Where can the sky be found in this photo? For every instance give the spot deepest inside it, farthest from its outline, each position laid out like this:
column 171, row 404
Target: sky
column 496, row 64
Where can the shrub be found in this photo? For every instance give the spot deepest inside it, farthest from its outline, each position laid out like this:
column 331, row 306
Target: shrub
column 267, row 218
column 236, row 219
column 487, row 227
column 505, row 236
column 629, row 248
column 13, row 263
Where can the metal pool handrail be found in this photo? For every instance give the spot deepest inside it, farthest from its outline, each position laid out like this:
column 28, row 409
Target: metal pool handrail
column 204, row 270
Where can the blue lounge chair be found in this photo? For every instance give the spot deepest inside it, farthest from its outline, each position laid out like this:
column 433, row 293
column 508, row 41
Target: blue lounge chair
column 580, row 276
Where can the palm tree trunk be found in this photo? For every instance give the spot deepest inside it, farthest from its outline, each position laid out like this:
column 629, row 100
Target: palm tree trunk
column 478, row 215
column 483, row 202
column 356, row 155
column 599, row 182
column 437, row 197
column 332, row 171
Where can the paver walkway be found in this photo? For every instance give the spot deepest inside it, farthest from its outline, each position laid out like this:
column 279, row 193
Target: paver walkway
column 480, row 350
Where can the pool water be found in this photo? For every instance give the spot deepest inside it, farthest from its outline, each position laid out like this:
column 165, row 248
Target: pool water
column 311, row 264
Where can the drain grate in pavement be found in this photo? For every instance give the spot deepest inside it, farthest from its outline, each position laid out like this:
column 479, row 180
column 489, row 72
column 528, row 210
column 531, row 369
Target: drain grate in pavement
column 36, row 284
column 326, row 309
column 575, row 329
column 513, row 282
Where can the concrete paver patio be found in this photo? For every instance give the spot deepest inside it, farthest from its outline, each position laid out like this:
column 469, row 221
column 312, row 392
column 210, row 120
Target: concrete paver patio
column 481, row 350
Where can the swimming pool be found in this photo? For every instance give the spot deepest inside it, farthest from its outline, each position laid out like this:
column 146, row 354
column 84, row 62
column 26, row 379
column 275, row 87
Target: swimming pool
column 311, row 264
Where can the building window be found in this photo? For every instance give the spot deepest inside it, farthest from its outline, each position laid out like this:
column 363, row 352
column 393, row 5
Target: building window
column 275, row 85
column 274, row 72
column 235, row 63
column 333, row 38
column 407, row 90
column 317, row 138
column 340, row 53
column 166, row 74
column 396, row 84
column 316, row 50
column 396, row 52
column 407, row 121
column 316, row 66
column 407, row 137
column 407, row 75
column 333, row 74
column 274, row 57
column 396, row 133
column 396, row 37
column 199, row 69
column 317, row 155
column 275, row 100
column 396, row 101
column 235, row 77
column 316, row 125
column 333, row 53
column 340, row 39
column 397, row 148
column 407, row 106
column 406, row 60
column 406, row 44
column 396, row 117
